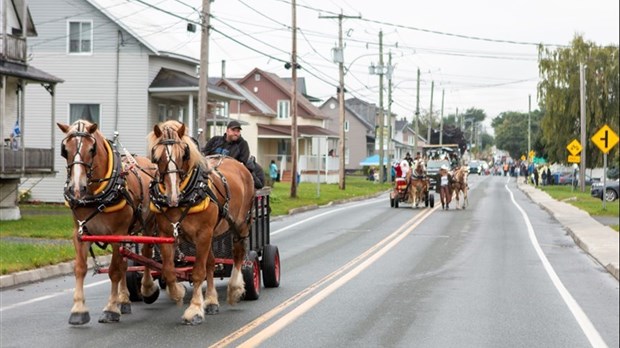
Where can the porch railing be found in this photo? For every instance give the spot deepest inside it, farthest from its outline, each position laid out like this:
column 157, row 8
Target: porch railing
column 37, row 162
column 13, row 48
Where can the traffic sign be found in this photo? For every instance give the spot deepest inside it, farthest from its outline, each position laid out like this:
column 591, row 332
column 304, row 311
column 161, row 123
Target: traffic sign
column 574, row 147
column 605, row 138
column 522, row 157
column 574, row 159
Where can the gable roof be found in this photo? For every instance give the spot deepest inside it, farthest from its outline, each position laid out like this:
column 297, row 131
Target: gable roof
column 249, row 96
column 362, row 119
column 161, row 33
column 283, row 86
column 168, row 80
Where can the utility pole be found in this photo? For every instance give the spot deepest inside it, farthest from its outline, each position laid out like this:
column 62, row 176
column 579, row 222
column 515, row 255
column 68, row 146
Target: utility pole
column 341, row 140
column 203, row 76
column 441, row 119
column 529, row 127
column 389, row 144
column 417, row 116
column 430, row 116
column 582, row 102
column 381, row 115
column 294, row 103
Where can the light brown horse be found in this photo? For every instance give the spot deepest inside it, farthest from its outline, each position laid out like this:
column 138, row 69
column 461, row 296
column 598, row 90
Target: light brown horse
column 459, row 185
column 197, row 198
column 419, row 182
column 108, row 196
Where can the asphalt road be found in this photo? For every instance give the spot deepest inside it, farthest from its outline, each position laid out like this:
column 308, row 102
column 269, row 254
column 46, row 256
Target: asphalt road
column 502, row 273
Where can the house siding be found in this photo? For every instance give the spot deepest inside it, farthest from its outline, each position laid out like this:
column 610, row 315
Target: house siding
column 89, row 78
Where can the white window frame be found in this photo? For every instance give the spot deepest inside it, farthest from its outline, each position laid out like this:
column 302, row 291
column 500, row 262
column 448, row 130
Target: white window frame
column 80, row 52
column 98, row 117
column 284, row 109
column 223, row 109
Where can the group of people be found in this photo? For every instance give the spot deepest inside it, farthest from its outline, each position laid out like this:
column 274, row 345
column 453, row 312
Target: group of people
column 233, row 145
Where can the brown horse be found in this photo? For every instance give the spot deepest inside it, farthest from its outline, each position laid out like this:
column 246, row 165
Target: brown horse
column 419, row 182
column 459, row 185
column 196, row 199
column 107, row 195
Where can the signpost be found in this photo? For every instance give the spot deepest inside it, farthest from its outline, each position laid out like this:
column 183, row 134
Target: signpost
column 605, row 139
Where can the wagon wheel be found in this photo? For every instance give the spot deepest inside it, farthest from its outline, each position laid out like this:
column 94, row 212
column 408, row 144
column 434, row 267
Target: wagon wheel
column 271, row 266
column 426, row 198
column 251, row 277
column 391, row 202
column 134, row 282
column 432, row 199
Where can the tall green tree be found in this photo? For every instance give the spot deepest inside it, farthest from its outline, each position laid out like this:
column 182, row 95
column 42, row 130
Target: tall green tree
column 559, row 96
column 511, row 133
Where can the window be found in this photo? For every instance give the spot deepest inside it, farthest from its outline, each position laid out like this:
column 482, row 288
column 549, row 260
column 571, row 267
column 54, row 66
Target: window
column 257, row 77
column 161, row 113
column 222, row 109
column 284, row 109
column 346, row 125
column 88, row 112
column 80, row 37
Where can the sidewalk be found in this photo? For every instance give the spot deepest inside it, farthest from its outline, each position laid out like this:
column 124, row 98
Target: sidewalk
column 596, row 239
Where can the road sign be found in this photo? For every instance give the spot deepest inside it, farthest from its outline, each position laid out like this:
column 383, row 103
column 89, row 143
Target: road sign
column 574, row 159
column 574, row 147
column 605, row 138
column 522, row 157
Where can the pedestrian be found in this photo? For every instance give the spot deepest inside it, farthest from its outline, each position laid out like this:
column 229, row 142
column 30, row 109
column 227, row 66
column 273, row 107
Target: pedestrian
column 445, row 192
column 535, row 176
column 549, row 177
column 273, row 172
column 543, row 176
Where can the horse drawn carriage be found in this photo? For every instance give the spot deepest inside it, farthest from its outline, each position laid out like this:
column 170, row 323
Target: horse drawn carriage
column 413, row 188
column 177, row 216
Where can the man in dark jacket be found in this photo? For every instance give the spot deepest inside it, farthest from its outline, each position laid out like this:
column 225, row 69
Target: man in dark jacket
column 230, row 144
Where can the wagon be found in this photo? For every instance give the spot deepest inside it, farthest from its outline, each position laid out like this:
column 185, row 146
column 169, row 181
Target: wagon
column 400, row 194
column 262, row 258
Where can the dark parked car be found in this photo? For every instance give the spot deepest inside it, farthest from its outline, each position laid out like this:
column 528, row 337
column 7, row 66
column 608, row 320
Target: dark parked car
column 611, row 192
column 567, row 179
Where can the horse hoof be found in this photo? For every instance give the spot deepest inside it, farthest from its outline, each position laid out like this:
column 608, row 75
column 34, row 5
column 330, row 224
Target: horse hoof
column 125, row 308
column 79, row 318
column 109, row 317
column 151, row 298
column 212, row 309
column 196, row 320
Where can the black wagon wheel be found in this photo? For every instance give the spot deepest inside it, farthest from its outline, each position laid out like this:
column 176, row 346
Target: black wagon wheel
column 134, row 282
column 391, row 202
column 251, row 277
column 432, row 200
column 271, row 266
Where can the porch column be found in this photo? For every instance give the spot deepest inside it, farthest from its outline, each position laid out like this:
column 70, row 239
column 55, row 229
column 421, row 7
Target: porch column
column 190, row 114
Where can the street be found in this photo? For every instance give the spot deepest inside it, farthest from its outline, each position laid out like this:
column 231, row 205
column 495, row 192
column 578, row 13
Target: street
column 501, row 273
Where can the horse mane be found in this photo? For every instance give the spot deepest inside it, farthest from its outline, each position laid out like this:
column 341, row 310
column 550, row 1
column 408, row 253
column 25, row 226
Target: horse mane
column 195, row 157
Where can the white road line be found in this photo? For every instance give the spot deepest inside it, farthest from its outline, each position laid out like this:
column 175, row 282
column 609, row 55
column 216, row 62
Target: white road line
column 582, row 319
column 47, row 297
column 273, row 233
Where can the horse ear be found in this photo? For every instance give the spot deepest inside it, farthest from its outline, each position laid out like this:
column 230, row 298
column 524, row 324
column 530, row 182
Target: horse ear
column 181, row 131
column 63, row 127
column 92, row 128
column 157, row 131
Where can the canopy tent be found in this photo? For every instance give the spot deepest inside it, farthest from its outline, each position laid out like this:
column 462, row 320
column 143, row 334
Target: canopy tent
column 373, row 161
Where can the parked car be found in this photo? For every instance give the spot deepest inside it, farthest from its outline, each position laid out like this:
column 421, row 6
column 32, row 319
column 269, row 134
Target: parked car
column 567, row 179
column 475, row 167
column 611, row 191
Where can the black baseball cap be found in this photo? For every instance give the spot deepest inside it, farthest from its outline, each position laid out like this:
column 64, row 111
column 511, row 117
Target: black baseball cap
column 233, row 125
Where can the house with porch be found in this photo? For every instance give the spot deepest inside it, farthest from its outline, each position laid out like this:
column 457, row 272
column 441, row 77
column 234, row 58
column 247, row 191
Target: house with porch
column 267, row 113
column 26, row 153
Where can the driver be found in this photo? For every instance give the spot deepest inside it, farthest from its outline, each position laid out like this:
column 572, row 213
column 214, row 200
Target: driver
column 230, row 144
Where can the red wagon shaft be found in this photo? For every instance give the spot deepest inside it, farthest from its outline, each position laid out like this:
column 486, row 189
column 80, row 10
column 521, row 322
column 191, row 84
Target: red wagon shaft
column 128, row 239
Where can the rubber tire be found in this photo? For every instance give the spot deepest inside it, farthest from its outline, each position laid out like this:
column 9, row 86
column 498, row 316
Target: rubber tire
column 432, row 199
column 426, row 200
column 391, row 202
column 396, row 202
column 251, row 277
column 610, row 195
column 271, row 266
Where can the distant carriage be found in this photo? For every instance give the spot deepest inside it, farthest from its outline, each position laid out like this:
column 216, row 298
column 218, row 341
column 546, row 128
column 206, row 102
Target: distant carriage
column 413, row 188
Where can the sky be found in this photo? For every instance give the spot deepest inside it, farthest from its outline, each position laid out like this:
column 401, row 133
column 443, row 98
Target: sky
column 477, row 53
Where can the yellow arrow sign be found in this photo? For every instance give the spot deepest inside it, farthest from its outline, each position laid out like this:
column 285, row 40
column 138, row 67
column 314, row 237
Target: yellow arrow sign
column 574, row 147
column 605, row 138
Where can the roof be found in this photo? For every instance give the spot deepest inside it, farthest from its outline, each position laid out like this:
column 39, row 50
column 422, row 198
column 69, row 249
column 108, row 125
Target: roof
column 280, row 131
column 27, row 72
column 249, row 96
column 142, row 22
column 173, row 81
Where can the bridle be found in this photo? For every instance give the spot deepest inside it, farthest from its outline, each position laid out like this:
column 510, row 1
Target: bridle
column 168, row 144
column 80, row 135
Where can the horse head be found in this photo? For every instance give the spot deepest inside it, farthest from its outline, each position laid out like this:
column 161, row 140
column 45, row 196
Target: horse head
column 84, row 148
column 175, row 155
column 419, row 169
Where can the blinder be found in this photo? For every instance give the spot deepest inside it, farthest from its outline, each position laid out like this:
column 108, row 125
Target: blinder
column 63, row 149
column 169, row 142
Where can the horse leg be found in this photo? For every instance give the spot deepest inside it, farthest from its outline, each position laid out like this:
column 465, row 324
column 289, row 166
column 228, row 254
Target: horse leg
column 194, row 314
column 236, row 285
column 79, row 311
column 148, row 289
column 176, row 291
column 212, row 305
column 111, row 312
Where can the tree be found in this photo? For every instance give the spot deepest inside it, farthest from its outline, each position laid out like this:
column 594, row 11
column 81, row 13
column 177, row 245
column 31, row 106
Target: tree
column 511, row 133
column 559, row 96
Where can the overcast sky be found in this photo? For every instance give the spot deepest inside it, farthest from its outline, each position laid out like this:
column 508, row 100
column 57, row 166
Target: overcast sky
column 480, row 53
